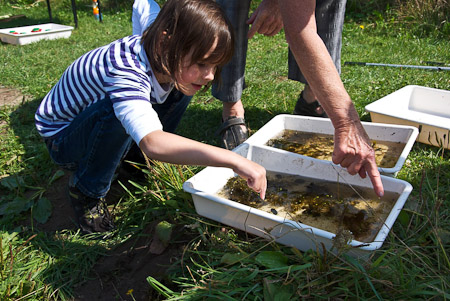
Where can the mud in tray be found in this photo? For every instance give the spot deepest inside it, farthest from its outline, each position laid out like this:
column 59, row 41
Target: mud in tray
column 313, row 137
column 310, row 202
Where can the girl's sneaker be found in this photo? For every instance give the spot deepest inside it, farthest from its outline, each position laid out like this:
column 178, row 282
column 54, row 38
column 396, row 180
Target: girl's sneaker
column 92, row 214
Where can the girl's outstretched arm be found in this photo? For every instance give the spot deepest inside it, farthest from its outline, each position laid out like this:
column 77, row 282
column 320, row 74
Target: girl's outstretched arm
column 171, row 148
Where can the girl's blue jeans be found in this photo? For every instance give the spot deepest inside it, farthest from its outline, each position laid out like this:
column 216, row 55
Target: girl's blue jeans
column 95, row 143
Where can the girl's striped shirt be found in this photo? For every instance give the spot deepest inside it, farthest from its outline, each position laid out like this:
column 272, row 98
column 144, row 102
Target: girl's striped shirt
column 120, row 72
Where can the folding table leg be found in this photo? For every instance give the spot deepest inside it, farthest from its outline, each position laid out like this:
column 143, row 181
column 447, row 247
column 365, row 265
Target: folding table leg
column 49, row 11
column 74, row 10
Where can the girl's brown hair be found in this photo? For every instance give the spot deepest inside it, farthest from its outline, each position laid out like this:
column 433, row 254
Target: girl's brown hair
column 188, row 25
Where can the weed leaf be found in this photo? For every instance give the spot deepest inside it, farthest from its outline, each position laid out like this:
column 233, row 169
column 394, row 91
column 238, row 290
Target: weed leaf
column 271, row 259
column 164, row 231
column 16, row 206
column 12, row 182
column 42, row 210
column 172, row 203
column 275, row 291
column 232, row 258
column 58, row 174
column 444, row 236
column 404, row 218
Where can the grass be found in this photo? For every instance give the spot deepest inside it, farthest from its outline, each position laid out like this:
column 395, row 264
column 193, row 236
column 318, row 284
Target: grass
column 220, row 262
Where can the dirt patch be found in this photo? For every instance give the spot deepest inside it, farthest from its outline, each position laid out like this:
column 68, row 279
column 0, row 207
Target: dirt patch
column 63, row 216
column 62, row 213
column 122, row 274
column 12, row 97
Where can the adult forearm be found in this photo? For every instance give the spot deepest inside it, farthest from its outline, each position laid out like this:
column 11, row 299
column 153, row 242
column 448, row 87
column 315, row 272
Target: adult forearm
column 352, row 147
column 315, row 62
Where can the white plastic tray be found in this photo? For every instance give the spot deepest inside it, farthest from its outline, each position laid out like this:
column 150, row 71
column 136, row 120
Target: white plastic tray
column 376, row 131
column 25, row 34
column 204, row 186
column 428, row 109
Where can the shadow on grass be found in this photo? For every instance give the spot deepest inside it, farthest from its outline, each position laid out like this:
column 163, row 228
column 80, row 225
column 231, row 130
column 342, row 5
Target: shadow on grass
column 29, row 163
column 201, row 123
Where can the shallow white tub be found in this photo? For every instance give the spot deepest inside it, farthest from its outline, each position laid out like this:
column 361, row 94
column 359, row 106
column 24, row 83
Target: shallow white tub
column 428, row 109
column 30, row 34
column 376, row 131
column 205, row 185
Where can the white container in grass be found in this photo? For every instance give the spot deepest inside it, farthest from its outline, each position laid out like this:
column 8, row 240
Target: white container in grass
column 426, row 108
column 206, row 185
column 34, row 33
column 399, row 135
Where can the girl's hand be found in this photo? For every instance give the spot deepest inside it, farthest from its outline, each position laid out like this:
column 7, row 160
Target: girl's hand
column 254, row 174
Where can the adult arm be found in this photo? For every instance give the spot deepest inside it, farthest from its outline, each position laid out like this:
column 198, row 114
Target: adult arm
column 175, row 149
column 352, row 148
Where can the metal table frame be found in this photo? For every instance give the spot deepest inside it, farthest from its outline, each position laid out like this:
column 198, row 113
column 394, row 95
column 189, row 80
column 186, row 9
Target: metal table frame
column 74, row 11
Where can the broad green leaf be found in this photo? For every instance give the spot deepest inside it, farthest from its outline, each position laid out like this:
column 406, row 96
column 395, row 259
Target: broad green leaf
column 276, row 291
column 232, row 258
column 271, row 259
column 12, row 182
column 164, row 231
column 172, row 203
column 16, row 206
column 404, row 218
column 42, row 210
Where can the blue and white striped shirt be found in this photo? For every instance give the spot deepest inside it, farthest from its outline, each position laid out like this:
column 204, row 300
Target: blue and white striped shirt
column 119, row 71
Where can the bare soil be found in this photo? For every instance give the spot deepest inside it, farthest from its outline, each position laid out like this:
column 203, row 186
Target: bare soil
column 11, row 97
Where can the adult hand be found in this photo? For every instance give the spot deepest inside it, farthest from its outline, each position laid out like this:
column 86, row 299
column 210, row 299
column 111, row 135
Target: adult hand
column 352, row 150
column 266, row 19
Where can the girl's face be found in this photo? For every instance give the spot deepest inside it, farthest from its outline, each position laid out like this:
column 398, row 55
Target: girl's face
column 193, row 76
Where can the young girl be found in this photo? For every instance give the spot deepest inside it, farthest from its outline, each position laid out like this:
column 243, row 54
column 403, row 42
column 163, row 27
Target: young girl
column 115, row 94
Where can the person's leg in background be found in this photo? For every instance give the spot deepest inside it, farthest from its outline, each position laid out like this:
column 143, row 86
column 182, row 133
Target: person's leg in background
column 330, row 16
column 233, row 130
